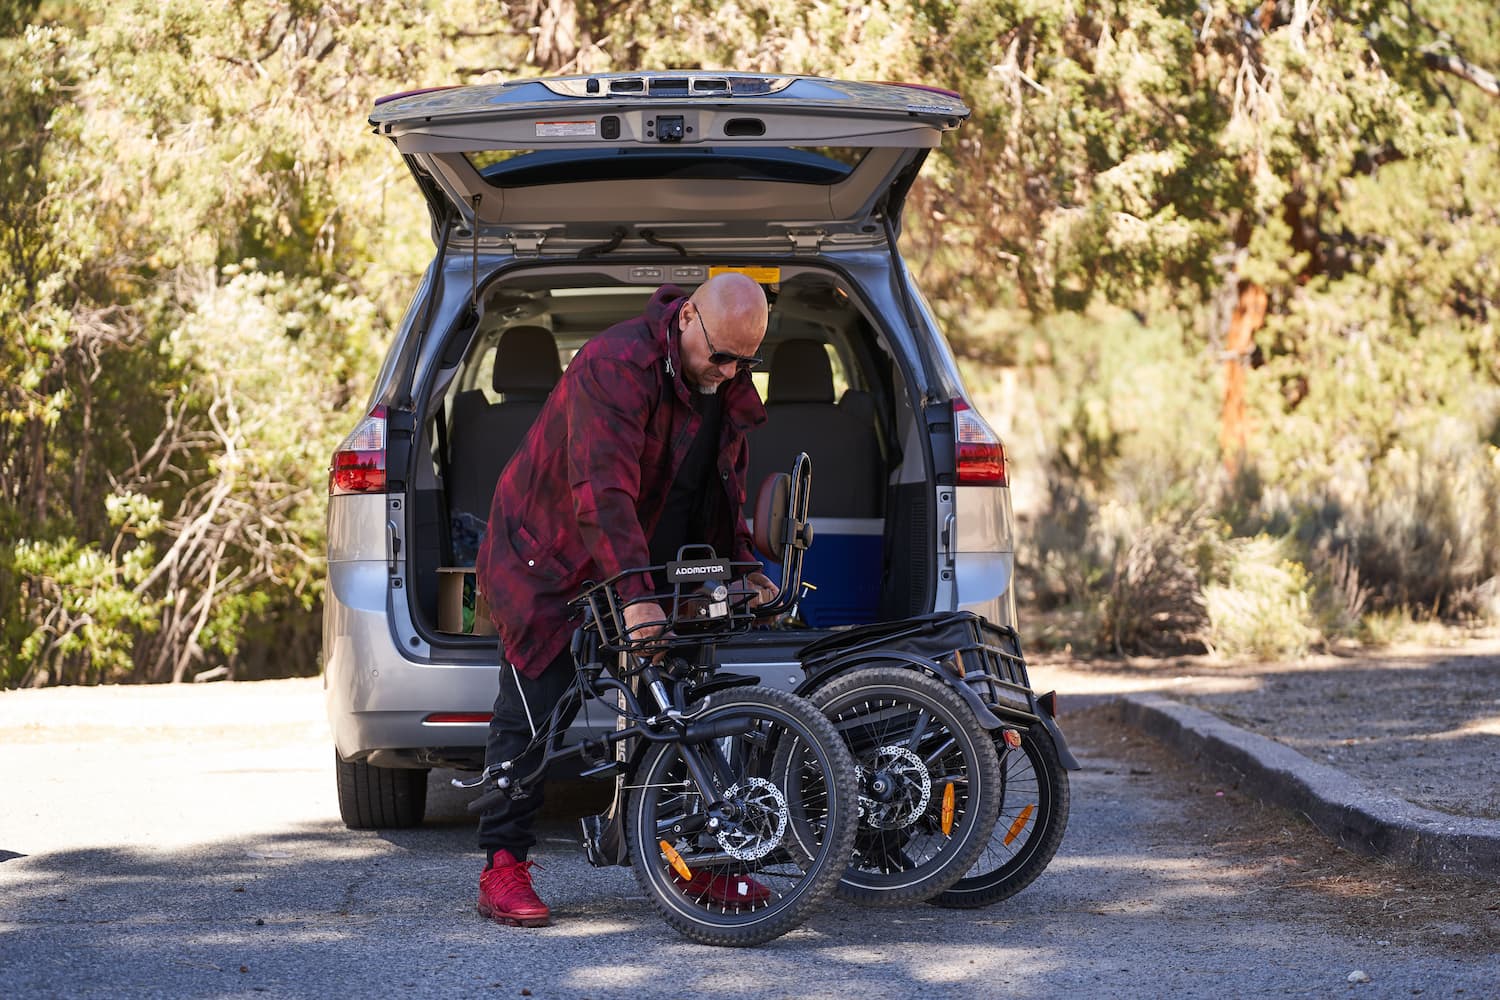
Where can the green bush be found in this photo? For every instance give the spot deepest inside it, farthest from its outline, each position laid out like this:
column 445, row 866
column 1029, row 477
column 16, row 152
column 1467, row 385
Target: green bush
column 1112, row 460
column 1261, row 603
column 204, row 249
column 1429, row 529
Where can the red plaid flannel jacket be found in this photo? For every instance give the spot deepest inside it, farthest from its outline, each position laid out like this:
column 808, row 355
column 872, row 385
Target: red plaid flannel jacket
column 583, row 494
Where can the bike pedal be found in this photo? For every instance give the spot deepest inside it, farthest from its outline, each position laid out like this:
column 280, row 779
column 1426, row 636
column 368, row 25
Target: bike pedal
column 603, row 843
column 607, row 767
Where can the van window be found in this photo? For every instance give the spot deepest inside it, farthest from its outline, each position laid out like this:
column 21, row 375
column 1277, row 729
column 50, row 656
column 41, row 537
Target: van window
column 512, row 168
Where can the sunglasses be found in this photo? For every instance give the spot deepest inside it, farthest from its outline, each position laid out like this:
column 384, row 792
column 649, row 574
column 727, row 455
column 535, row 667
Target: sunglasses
column 719, row 358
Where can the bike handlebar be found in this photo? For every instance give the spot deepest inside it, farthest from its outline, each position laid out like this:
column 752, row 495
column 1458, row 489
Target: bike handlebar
column 488, row 800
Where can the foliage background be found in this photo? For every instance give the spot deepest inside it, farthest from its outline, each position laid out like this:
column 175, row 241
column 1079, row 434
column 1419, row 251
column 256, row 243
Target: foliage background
column 1223, row 274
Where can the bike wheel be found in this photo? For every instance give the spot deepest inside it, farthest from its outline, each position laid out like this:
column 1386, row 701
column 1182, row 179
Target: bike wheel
column 1033, row 815
column 761, row 864
column 929, row 782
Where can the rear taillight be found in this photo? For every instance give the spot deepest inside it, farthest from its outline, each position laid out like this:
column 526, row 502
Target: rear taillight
column 359, row 464
column 981, row 456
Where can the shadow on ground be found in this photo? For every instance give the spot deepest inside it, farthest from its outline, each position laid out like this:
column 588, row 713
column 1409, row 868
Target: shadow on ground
column 315, row 910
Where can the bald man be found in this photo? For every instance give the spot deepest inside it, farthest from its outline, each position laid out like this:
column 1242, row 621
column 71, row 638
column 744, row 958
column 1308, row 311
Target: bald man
column 638, row 451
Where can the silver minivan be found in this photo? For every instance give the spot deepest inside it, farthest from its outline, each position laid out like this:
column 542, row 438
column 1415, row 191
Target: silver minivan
column 558, row 206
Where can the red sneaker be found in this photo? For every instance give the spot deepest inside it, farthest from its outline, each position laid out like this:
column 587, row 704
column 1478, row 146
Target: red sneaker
column 728, row 890
column 506, row 895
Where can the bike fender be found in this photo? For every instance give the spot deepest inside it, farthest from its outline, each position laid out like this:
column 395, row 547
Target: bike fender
column 1044, row 712
column 719, row 682
column 604, row 840
column 941, row 671
column 604, row 834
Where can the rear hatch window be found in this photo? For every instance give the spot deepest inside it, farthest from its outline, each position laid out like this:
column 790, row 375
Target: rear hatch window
column 507, row 168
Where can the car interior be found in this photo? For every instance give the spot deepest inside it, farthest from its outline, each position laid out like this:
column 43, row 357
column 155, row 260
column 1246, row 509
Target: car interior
column 830, row 387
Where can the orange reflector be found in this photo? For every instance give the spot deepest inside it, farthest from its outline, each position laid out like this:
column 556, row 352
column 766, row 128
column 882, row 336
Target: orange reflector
column 1019, row 824
column 675, row 860
column 948, row 809
column 1013, row 739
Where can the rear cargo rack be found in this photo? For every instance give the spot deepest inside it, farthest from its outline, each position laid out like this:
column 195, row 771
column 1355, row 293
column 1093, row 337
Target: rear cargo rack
column 986, row 656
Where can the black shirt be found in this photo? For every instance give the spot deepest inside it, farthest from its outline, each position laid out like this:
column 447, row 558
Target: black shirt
column 689, row 507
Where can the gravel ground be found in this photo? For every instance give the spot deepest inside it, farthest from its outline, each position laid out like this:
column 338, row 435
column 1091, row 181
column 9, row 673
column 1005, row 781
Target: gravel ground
column 1422, row 722
column 1289, row 868
column 172, row 842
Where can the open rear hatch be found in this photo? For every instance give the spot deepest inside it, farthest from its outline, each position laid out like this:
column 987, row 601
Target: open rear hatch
column 668, row 158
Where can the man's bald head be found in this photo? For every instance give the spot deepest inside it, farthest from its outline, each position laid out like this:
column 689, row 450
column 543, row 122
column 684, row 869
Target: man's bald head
column 737, row 306
column 729, row 312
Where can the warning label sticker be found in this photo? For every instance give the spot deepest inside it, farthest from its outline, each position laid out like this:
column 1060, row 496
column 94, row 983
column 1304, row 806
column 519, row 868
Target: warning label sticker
column 761, row 275
column 554, row 130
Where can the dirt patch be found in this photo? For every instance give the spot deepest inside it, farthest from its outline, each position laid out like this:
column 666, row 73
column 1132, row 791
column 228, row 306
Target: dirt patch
column 1292, row 866
column 1422, row 723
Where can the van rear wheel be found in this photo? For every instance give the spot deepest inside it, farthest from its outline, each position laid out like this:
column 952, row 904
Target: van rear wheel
column 379, row 798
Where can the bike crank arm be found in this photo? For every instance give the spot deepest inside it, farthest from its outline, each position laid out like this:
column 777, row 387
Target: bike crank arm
column 683, row 826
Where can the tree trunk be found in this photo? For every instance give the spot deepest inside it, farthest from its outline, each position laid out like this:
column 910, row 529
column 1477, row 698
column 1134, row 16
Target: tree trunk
column 1249, row 316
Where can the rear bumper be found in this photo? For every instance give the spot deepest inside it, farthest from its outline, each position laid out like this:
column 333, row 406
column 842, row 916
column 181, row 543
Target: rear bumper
column 378, row 697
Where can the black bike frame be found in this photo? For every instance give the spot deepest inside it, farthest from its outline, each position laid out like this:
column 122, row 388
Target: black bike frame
column 670, row 682
column 702, row 613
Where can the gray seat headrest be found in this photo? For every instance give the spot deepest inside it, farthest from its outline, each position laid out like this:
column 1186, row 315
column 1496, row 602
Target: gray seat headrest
column 858, row 404
column 526, row 362
column 800, row 373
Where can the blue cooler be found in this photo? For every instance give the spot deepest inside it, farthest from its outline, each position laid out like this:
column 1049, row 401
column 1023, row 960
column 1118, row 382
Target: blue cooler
column 845, row 563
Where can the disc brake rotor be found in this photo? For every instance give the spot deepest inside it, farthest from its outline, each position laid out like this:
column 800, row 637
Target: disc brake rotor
column 762, row 822
column 906, row 800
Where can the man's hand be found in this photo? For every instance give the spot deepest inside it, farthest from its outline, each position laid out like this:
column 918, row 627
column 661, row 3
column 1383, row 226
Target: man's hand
column 765, row 590
column 644, row 620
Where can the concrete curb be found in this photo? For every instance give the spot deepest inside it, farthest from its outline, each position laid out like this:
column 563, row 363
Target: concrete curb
column 1357, row 816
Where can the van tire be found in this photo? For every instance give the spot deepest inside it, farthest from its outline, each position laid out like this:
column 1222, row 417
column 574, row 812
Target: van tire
column 380, row 798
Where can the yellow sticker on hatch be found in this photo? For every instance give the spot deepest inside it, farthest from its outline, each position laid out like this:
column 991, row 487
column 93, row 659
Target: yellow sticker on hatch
column 760, row 275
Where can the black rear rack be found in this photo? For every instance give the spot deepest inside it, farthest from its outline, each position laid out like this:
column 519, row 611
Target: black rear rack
column 986, row 656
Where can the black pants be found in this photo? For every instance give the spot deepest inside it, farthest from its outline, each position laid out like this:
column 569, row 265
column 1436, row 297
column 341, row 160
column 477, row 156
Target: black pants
column 509, row 824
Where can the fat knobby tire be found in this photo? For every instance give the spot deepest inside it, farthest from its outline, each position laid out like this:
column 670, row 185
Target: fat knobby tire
column 971, row 760
column 822, row 873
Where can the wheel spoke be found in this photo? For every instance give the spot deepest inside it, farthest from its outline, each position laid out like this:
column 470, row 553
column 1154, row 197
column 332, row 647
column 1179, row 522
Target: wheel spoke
column 918, row 728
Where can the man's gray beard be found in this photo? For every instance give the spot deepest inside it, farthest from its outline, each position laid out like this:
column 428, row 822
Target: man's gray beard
column 707, row 390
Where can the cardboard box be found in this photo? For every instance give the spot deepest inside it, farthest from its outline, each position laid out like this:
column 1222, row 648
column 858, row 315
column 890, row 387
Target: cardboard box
column 461, row 607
